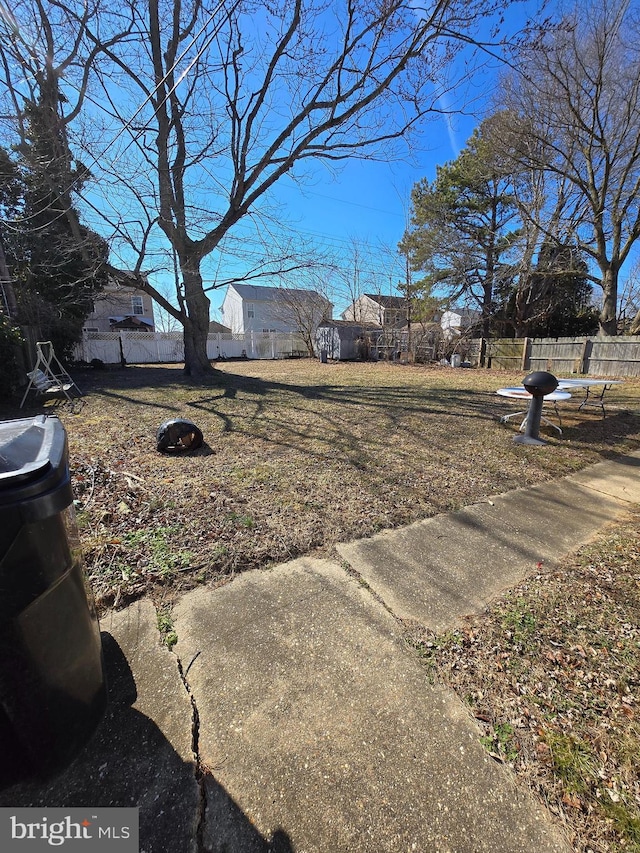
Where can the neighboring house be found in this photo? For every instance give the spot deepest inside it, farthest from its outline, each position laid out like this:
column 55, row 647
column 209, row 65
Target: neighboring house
column 251, row 308
column 378, row 309
column 345, row 340
column 218, row 328
column 391, row 312
column 457, row 321
column 121, row 306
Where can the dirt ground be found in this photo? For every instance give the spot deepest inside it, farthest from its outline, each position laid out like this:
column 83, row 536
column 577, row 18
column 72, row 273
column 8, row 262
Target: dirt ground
column 300, row 455
column 551, row 672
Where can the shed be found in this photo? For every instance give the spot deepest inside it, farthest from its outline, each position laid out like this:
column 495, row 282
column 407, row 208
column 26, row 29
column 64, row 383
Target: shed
column 345, row 340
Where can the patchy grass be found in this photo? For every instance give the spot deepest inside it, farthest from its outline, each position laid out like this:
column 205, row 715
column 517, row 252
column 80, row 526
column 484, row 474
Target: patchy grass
column 165, row 626
column 298, row 456
column 551, row 672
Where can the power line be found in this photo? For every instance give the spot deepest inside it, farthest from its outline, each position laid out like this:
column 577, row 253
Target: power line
column 352, row 203
column 128, row 124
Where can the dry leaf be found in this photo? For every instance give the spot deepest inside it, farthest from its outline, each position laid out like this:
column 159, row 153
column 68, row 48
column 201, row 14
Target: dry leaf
column 572, row 800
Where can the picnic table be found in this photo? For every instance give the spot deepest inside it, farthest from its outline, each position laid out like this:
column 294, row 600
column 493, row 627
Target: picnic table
column 591, row 397
column 520, row 393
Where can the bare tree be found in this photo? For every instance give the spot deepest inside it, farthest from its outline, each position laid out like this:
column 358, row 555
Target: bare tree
column 363, row 268
column 303, row 310
column 576, row 100
column 207, row 104
column 239, row 94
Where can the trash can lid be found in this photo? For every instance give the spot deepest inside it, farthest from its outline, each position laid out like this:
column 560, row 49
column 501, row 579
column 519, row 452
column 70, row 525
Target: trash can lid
column 28, row 449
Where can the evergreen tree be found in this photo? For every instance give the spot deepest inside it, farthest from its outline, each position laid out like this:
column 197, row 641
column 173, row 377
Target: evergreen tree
column 463, row 226
column 57, row 265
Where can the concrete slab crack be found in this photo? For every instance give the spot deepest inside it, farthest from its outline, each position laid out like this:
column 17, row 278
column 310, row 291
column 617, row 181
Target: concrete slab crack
column 169, row 639
column 195, row 748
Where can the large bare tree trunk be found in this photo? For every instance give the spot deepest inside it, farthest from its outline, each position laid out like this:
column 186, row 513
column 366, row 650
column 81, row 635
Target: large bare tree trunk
column 196, row 325
column 608, row 323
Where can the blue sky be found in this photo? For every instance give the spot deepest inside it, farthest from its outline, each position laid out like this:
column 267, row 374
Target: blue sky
column 360, row 200
column 369, row 201
column 365, row 201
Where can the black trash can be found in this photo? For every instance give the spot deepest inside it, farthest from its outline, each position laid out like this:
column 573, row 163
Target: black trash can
column 52, row 687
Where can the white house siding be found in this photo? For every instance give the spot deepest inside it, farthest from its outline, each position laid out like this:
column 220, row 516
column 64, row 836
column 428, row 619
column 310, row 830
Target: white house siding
column 232, row 313
column 116, row 301
column 262, row 310
column 263, row 320
column 454, row 322
column 451, row 322
column 364, row 310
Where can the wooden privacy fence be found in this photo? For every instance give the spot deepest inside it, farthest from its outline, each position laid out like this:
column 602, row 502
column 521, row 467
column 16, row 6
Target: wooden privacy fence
column 605, row 356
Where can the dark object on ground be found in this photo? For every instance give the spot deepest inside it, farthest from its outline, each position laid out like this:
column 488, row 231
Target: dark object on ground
column 178, row 435
column 97, row 364
column 52, row 686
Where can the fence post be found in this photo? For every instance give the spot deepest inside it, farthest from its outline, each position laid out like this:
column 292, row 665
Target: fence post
column 525, row 347
column 483, row 353
column 584, row 358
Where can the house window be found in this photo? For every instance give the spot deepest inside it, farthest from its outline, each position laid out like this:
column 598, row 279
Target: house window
column 250, row 310
column 136, row 305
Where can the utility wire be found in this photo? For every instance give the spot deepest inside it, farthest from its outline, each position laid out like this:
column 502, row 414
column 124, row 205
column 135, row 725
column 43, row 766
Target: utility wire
column 7, row 17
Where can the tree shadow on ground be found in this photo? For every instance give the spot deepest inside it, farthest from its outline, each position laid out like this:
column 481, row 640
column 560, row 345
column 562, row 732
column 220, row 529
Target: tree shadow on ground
column 609, row 430
column 130, row 763
column 228, row 385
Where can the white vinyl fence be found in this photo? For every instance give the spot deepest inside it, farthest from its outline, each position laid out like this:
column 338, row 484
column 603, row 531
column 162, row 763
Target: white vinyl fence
column 166, row 347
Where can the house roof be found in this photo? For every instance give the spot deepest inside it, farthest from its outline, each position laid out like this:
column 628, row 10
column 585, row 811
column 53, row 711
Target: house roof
column 388, row 301
column 130, row 322
column 350, row 324
column 214, row 326
column 262, row 293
